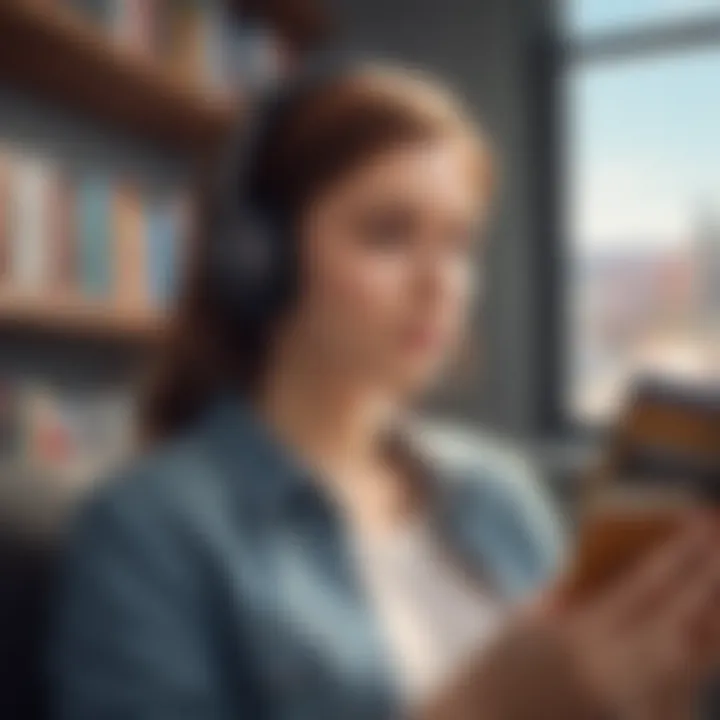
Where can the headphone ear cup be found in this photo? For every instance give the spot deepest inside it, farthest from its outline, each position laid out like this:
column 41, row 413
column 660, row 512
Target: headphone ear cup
column 253, row 253
column 251, row 271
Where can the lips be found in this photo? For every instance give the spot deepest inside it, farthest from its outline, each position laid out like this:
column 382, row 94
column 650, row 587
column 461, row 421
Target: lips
column 423, row 338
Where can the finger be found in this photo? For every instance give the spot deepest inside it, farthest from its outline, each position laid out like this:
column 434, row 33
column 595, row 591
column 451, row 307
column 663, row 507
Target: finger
column 702, row 620
column 673, row 647
column 658, row 574
column 697, row 600
column 546, row 605
column 706, row 642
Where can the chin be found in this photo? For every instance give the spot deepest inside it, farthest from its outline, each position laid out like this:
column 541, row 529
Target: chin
column 412, row 383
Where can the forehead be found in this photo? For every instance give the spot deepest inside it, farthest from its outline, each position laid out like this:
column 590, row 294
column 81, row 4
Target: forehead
column 441, row 173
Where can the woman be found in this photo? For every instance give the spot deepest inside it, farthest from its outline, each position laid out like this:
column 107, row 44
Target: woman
column 291, row 547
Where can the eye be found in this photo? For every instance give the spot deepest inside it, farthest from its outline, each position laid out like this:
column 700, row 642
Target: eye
column 386, row 228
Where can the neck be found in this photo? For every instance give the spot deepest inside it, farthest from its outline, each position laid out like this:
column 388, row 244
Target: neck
column 330, row 421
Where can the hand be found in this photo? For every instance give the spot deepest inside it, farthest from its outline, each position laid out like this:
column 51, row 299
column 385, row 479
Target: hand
column 622, row 655
column 653, row 639
column 527, row 674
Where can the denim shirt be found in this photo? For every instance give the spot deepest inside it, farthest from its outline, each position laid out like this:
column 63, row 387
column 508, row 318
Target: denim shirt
column 212, row 581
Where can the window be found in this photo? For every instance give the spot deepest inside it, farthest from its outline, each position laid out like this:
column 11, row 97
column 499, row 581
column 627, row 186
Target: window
column 643, row 197
column 591, row 16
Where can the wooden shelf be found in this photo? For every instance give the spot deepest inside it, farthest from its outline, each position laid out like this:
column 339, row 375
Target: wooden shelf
column 80, row 318
column 49, row 49
column 302, row 25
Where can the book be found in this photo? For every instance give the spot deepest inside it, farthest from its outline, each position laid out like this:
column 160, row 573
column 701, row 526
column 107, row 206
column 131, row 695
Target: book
column 6, row 168
column 10, row 421
column 133, row 24
column 255, row 56
column 62, row 269
column 99, row 424
column 182, row 39
column 29, row 223
column 75, row 434
column 94, row 242
column 48, row 445
column 217, row 39
column 129, row 240
column 168, row 227
column 99, row 12
column 163, row 226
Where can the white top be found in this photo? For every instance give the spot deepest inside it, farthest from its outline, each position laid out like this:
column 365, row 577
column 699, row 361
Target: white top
column 433, row 617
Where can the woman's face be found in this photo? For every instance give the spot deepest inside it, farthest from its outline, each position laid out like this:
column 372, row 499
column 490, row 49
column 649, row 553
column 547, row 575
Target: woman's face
column 389, row 271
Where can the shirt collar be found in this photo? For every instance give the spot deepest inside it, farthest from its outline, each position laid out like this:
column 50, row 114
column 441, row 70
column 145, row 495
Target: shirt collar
column 269, row 478
column 271, row 474
column 265, row 469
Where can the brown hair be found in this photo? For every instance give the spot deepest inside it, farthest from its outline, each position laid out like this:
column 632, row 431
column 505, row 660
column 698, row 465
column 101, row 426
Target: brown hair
column 326, row 132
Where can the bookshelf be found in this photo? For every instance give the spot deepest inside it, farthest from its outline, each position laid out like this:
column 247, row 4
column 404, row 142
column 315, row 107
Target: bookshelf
column 81, row 318
column 302, row 24
column 52, row 51
column 60, row 220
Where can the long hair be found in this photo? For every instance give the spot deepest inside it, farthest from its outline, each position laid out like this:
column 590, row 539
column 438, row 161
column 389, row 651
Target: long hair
column 326, row 132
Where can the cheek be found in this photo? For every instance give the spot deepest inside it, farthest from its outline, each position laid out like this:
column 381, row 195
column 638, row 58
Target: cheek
column 366, row 306
column 356, row 291
column 463, row 288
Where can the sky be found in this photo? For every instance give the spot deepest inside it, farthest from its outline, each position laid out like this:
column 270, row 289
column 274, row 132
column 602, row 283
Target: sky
column 644, row 159
column 590, row 15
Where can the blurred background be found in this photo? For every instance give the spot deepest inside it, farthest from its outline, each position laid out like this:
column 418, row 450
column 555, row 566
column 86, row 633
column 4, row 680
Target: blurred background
column 604, row 256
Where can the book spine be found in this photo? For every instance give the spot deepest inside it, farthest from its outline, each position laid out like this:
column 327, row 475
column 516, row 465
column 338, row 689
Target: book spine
column 148, row 22
column 29, row 226
column 94, row 236
column 51, row 420
column 216, row 47
column 100, row 12
column 256, row 58
column 10, row 426
column 6, row 168
column 162, row 252
column 129, row 240
column 132, row 24
column 184, row 40
column 63, row 232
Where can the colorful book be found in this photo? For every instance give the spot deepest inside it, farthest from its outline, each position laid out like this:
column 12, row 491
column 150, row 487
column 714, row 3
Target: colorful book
column 74, row 433
column 47, row 444
column 217, row 39
column 129, row 239
column 10, row 421
column 164, row 229
column 30, row 223
column 6, row 169
column 62, row 269
column 256, row 58
column 182, row 39
column 94, row 235
column 100, row 425
column 100, row 12
column 133, row 24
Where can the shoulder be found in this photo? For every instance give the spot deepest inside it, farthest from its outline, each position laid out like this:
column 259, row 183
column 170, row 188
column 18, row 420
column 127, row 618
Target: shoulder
column 479, row 459
column 149, row 507
column 494, row 479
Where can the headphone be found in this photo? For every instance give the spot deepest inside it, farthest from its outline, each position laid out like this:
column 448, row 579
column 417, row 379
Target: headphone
column 253, row 259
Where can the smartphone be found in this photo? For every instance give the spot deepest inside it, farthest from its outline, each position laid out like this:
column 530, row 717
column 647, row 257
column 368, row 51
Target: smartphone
column 662, row 464
column 618, row 532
